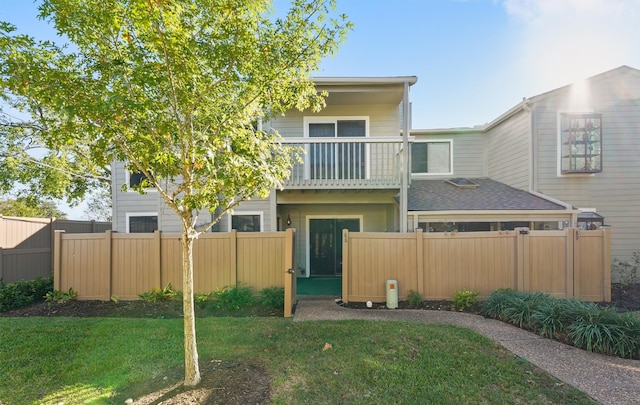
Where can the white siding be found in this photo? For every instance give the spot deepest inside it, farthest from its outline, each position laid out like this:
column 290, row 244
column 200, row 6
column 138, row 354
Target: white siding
column 469, row 152
column 508, row 151
column 614, row 192
column 130, row 201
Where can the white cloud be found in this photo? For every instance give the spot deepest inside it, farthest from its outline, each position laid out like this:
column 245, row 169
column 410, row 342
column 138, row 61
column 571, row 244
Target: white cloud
column 561, row 41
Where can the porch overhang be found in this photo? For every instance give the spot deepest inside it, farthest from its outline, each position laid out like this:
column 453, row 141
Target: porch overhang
column 364, row 90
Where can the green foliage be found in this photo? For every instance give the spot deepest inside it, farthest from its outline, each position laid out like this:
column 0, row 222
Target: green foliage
column 113, row 359
column 415, row 298
column 606, row 331
column 494, row 305
column 22, row 293
column 521, row 309
column 272, row 297
column 234, row 297
column 203, row 297
column 552, row 316
column 172, row 88
column 30, row 206
column 99, row 206
column 463, row 299
column 582, row 324
column 60, row 297
column 160, row 294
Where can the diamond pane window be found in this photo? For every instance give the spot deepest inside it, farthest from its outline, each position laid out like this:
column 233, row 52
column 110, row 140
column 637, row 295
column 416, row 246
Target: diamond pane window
column 581, row 143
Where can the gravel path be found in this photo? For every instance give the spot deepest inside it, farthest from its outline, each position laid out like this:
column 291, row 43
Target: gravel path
column 609, row 380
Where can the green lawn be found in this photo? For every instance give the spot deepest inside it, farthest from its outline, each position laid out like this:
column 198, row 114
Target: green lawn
column 106, row 360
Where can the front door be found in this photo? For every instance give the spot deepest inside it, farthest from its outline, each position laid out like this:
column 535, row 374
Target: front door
column 325, row 244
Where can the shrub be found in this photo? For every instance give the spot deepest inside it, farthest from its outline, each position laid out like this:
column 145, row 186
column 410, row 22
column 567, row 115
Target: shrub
column 160, row 294
column 463, row 299
column 582, row 324
column 494, row 305
column 203, row 297
column 60, row 296
column 521, row 309
column 22, row 293
column 235, row 297
column 415, row 298
column 553, row 316
column 627, row 272
column 604, row 330
column 272, row 297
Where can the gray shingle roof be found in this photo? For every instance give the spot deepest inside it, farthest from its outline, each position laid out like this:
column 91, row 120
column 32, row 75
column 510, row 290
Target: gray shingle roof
column 439, row 195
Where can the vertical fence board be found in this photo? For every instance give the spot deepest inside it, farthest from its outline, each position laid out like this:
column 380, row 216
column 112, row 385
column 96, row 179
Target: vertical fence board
column 546, row 261
column 479, row 261
column 289, row 269
column 26, row 245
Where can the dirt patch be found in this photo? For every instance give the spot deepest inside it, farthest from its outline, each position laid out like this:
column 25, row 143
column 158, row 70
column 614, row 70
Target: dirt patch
column 222, row 383
column 626, row 296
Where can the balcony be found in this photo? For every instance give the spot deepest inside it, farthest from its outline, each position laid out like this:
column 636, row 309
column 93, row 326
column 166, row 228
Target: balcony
column 346, row 163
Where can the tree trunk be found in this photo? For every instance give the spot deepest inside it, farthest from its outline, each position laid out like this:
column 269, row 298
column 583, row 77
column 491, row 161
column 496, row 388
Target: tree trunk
column 191, row 368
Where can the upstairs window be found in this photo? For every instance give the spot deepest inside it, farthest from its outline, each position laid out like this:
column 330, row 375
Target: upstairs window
column 580, row 143
column 431, row 157
column 340, row 160
column 136, row 178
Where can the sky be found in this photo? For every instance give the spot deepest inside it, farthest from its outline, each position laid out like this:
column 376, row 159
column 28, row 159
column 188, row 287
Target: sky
column 474, row 59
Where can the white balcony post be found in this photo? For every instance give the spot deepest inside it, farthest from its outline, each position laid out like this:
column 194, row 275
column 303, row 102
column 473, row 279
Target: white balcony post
column 404, row 159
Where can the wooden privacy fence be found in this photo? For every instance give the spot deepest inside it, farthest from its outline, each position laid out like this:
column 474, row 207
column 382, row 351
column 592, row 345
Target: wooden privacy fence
column 567, row 263
column 26, row 244
column 99, row 266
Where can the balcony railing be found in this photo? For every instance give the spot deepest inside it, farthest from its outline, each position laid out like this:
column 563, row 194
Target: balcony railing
column 372, row 162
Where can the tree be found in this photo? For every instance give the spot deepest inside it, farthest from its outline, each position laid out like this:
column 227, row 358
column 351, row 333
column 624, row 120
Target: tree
column 30, row 207
column 99, row 206
column 174, row 88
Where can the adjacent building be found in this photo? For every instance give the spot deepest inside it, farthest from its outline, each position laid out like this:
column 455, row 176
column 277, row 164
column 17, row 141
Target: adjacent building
column 568, row 157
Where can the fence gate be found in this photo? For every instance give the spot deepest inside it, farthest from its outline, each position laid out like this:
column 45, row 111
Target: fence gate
column 289, row 274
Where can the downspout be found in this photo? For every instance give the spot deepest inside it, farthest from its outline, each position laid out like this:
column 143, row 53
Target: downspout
column 404, row 176
column 533, row 166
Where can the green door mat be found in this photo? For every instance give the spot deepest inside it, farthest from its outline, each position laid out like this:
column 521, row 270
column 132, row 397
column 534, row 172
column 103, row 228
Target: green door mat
column 319, row 286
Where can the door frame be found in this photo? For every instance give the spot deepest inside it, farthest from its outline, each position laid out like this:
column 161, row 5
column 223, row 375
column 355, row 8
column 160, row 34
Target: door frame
column 307, row 269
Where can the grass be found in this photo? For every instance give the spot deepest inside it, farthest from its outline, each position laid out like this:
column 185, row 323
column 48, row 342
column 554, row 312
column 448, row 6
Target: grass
column 107, row 360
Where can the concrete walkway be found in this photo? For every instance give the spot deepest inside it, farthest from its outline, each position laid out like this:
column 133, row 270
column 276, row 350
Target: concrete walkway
column 609, row 380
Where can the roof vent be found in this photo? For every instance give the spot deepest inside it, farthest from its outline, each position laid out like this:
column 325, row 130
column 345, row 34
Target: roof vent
column 461, row 182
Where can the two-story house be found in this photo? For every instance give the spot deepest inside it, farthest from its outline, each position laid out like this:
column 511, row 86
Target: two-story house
column 577, row 145
column 356, row 175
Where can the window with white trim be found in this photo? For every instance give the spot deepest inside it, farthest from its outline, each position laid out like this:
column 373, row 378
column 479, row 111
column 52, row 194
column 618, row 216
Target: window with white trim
column 432, row 157
column 135, row 178
column 142, row 222
column 246, row 221
column 580, row 143
column 340, row 160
